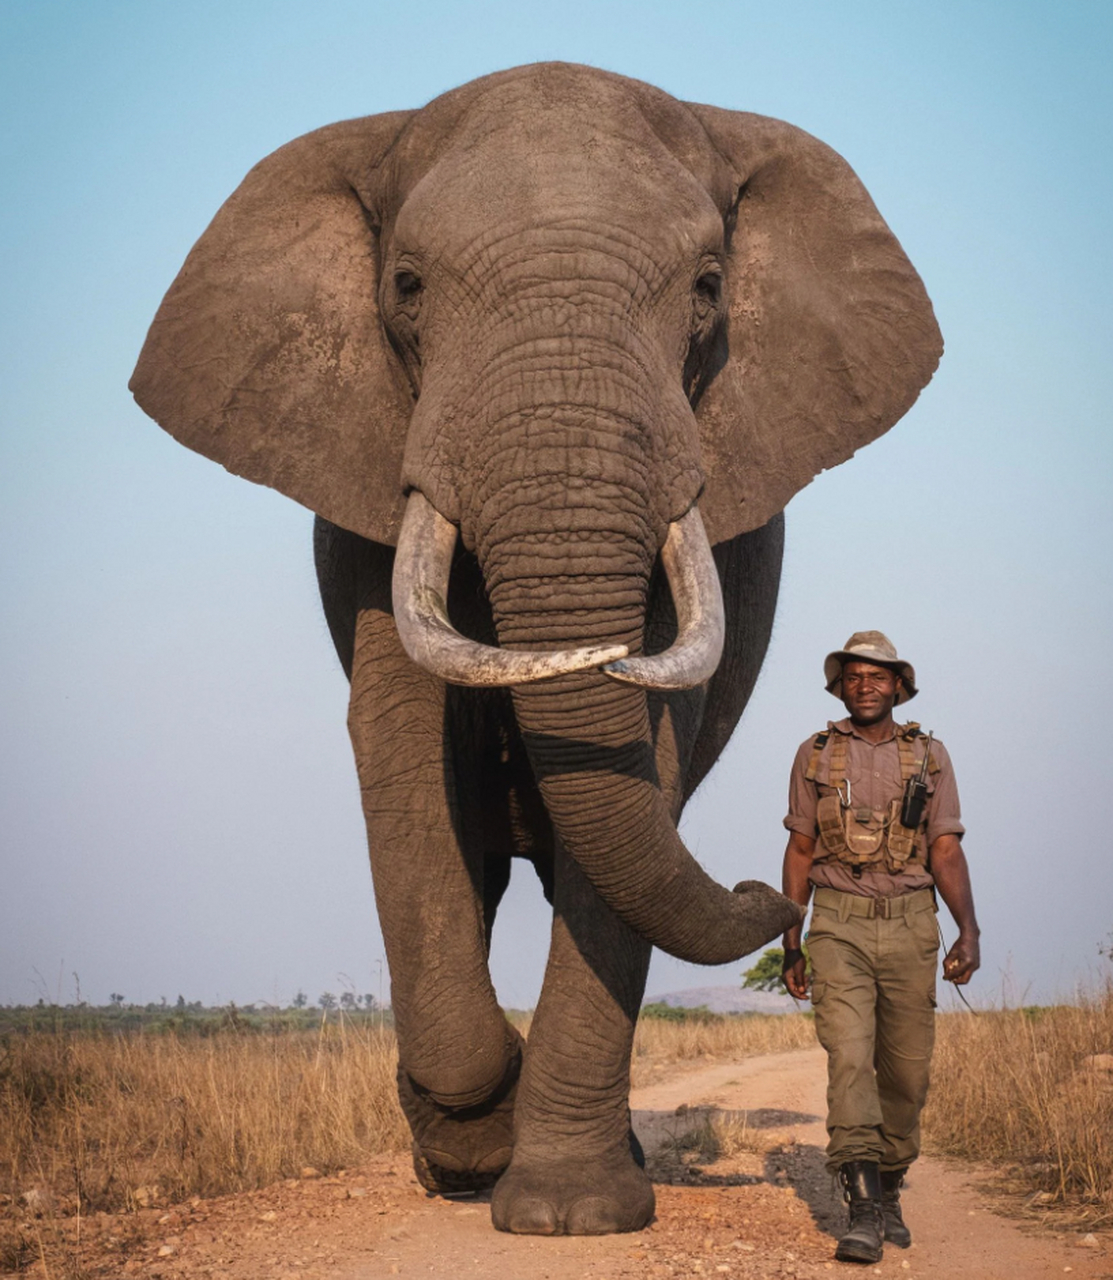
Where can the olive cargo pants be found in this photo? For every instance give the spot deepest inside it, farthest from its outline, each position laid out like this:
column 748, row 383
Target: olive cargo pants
column 873, row 990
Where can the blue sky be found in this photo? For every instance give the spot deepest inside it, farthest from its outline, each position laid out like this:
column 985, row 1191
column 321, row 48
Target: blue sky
column 179, row 808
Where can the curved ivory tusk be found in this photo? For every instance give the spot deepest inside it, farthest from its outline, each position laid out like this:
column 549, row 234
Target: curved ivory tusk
column 421, row 568
column 701, row 626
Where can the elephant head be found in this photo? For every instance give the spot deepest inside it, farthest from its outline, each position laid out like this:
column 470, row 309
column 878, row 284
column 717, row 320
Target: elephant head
column 578, row 325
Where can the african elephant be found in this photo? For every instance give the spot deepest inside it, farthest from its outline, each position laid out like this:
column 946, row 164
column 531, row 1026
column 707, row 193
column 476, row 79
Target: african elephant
column 547, row 356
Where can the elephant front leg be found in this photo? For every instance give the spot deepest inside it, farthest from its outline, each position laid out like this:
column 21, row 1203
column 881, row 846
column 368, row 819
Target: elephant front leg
column 459, row 1059
column 577, row 1166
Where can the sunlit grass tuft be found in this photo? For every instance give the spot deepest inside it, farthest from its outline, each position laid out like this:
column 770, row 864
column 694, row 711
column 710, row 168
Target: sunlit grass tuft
column 1031, row 1090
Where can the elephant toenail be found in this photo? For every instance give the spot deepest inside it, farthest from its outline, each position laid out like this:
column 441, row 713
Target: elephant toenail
column 531, row 1217
column 592, row 1216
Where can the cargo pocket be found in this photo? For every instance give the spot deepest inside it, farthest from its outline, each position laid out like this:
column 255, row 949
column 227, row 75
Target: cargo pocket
column 822, row 1012
column 925, row 929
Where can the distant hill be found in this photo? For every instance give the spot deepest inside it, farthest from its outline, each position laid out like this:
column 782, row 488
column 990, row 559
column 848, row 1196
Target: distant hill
column 728, row 1000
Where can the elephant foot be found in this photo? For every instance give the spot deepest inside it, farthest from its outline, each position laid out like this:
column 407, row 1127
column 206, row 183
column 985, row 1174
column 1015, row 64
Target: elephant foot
column 576, row 1196
column 460, row 1150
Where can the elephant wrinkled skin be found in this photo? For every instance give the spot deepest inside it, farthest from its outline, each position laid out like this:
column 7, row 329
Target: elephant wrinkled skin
column 560, row 321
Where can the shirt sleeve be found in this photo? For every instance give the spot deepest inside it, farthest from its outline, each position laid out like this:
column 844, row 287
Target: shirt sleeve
column 802, row 795
column 944, row 813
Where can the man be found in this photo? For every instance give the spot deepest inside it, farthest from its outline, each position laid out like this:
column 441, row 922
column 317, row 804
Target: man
column 875, row 864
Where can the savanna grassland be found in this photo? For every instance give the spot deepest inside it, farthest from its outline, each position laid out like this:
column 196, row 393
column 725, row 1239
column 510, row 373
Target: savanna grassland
column 98, row 1117
column 115, row 1122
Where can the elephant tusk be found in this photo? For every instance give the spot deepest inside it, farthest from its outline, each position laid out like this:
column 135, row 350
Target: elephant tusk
column 701, row 625
column 422, row 565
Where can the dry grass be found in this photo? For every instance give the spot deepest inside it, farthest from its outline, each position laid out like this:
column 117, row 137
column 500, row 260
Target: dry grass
column 102, row 1122
column 1018, row 1089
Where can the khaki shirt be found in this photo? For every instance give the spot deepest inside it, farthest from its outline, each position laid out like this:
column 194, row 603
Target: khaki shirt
column 874, row 774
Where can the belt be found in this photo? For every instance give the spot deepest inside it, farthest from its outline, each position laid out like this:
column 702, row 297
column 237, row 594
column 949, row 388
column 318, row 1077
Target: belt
column 851, row 904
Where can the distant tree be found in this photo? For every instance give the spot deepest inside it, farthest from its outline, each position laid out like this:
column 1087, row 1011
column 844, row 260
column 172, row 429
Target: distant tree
column 181, row 1005
column 348, row 1001
column 766, row 974
column 370, row 1003
column 117, row 999
column 326, row 1000
column 300, row 1000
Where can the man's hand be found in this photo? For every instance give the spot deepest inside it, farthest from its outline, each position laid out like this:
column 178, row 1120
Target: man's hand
column 795, row 975
column 963, row 960
column 794, row 884
column 952, row 879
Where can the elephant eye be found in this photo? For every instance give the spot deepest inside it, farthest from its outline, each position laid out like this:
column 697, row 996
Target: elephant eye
column 708, row 292
column 408, row 287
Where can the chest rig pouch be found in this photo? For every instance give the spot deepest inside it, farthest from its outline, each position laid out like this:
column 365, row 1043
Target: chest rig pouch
column 862, row 837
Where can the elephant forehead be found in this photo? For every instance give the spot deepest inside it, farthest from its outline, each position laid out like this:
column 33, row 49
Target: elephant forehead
column 495, row 188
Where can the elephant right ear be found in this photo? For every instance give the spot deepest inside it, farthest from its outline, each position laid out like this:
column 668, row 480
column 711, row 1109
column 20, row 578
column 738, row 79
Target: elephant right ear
column 268, row 354
column 831, row 334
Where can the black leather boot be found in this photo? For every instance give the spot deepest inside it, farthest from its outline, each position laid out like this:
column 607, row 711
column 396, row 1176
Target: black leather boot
column 895, row 1230
column 864, row 1238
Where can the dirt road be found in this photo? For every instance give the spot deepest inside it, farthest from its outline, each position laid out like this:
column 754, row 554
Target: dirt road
column 767, row 1211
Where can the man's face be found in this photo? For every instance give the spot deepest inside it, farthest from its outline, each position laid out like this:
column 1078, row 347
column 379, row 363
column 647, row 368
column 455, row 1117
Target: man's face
column 869, row 693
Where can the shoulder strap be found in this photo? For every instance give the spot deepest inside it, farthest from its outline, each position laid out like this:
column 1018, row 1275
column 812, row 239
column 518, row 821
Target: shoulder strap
column 818, row 743
column 908, row 763
column 839, row 750
column 905, row 738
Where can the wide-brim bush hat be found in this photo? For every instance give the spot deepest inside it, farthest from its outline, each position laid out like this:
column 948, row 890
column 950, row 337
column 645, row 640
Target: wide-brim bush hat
column 875, row 647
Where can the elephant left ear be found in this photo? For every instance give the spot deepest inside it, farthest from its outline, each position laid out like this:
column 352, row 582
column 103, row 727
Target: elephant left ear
column 831, row 335
column 268, row 354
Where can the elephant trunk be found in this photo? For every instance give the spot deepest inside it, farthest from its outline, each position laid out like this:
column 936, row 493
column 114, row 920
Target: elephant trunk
column 592, row 752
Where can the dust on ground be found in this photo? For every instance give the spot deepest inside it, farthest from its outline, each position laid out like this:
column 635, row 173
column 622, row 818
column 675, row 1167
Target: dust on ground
column 767, row 1211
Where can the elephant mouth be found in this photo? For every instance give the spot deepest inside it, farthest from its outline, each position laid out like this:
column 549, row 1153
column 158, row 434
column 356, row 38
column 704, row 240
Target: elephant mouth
column 422, row 566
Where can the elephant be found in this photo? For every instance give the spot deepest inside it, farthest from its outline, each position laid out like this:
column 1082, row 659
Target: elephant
column 547, row 358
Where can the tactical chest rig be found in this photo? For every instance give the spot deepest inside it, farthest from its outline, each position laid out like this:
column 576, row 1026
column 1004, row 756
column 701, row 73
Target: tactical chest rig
column 860, row 837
